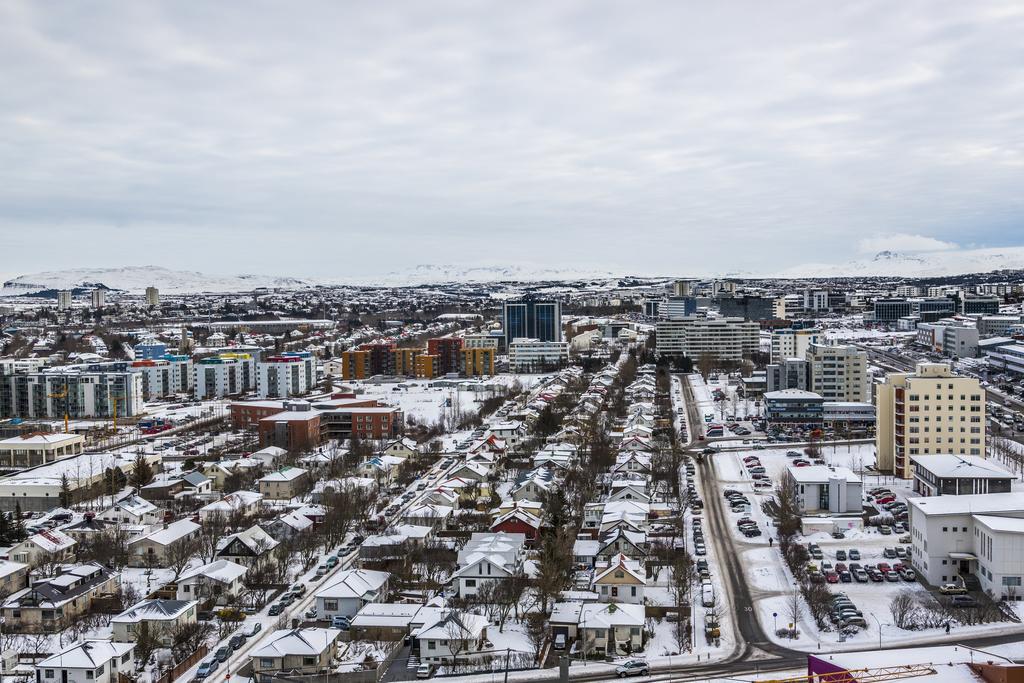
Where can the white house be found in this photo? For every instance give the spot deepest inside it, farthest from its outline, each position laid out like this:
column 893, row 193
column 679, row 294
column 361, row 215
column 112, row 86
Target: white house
column 451, row 636
column 215, row 579
column 133, row 510
column 162, row 618
column 487, row 557
column 351, row 590
column 92, row 661
column 623, row 580
column 244, row 503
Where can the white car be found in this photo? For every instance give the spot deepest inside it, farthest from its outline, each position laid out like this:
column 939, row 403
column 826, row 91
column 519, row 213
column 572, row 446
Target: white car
column 425, row 670
column 632, row 667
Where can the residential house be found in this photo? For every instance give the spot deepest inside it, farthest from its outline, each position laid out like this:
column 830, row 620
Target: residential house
column 287, row 525
column 50, row 604
column 632, row 544
column 283, row 484
column 152, row 550
column 435, row 516
column 247, row 547
column 46, row 547
column 217, row 579
column 350, row 590
column 300, row 651
column 13, row 577
column 401, row 448
column 162, row 618
column 134, row 510
column 487, row 557
column 518, row 521
column 623, row 580
column 174, row 486
column 453, row 635
column 91, row 661
column 232, row 506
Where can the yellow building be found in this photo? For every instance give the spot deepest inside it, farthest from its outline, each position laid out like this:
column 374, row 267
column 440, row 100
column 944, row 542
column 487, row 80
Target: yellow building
column 476, row 362
column 928, row 412
column 355, row 364
column 405, row 361
column 427, row 365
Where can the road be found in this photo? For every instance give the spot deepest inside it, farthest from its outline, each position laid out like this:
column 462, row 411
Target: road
column 753, row 644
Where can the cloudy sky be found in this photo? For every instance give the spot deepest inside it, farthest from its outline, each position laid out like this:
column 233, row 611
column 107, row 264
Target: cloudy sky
column 336, row 138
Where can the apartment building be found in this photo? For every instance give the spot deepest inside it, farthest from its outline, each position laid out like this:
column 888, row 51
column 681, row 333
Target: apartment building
column 839, row 373
column 228, row 374
column 950, row 337
column 79, row 394
column 929, row 411
column 164, row 376
column 287, row 374
column 726, row 339
column 152, row 296
column 477, row 362
column 793, row 343
column 448, row 351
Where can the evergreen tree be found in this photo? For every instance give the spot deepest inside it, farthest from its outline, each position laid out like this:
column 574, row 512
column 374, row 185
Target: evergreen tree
column 18, row 532
column 65, row 492
column 142, row 472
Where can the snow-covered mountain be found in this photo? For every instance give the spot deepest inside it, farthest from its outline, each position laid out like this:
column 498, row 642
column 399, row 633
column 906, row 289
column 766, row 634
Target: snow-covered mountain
column 135, row 279
column 917, row 264
column 428, row 274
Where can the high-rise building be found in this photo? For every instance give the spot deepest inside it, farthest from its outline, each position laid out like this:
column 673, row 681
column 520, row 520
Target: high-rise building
column 99, row 298
column 927, row 412
column 747, row 307
column 477, row 362
column 679, row 307
column 288, row 374
column 84, row 394
column 682, row 288
column 789, row 373
column 793, row 343
column 532, row 319
column 448, row 351
column 64, row 300
column 152, row 296
column 839, row 373
column 726, row 339
column 228, row 374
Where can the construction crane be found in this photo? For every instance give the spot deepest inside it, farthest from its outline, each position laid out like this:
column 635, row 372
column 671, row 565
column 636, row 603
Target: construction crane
column 876, row 675
column 63, row 393
column 116, row 400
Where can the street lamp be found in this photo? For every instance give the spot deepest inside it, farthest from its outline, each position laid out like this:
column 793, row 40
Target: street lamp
column 775, row 622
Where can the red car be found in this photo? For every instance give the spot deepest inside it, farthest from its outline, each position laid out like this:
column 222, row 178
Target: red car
column 840, row 566
column 885, row 499
column 832, row 577
column 898, row 567
column 884, row 567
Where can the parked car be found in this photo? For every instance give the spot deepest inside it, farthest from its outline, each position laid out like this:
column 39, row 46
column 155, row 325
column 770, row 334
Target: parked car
column 632, row 667
column 963, row 601
column 559, row 643
column 237, row 640
column 207, row 668
column 424, row 670
column 952, row 589
column 275, row 609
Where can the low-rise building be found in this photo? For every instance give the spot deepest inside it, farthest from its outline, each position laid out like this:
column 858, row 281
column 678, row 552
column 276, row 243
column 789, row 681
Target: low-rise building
column 162, row 618
column 958, row 475
column 220, row 580
column 349, row 591
column 533, row 355
column 284, row 484
column 51, row 604
column 91, row 661
column 153, row 549
column 295, row 652
column 31, row 450
column 820, row 488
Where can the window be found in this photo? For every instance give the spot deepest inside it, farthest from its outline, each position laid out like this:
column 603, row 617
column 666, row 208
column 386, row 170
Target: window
column 266, row 663
column 309, row 661
column 88, row 675
column 431, row 645
column 48, row 674
column 470, row 583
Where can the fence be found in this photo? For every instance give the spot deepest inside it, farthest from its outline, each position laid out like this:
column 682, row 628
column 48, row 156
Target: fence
column 183, row 666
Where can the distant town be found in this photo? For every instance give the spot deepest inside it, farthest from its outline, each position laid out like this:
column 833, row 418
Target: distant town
column 579, row 479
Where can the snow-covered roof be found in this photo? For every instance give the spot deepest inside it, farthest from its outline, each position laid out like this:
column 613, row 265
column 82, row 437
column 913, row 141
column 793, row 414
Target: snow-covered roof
column 40, row 439
column 1014, row 525
column 979, row 504
column 453, row 625
column 965, row 466
column 87, row 655
column 284, row 474
column 296, row 520
column 607, row 615
column 354, row 583
column 233, row 502
column 52, row 540
column 154, row 610
column 820, row 474
column 222, row 571
column 387, row 615
column 299, row 641
column 172, row 532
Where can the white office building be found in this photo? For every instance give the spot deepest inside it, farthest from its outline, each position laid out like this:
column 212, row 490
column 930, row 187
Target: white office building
column 979, row 538
column 533, row 355
column 820, row 488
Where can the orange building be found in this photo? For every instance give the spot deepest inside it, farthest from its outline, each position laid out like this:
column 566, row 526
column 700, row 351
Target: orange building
column 477, row 362
column 355, row 365
column 426, row 366
column 404, row 362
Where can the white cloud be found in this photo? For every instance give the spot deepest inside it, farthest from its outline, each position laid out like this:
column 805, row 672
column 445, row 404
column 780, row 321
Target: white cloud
column 556, row 134
column 902, row 242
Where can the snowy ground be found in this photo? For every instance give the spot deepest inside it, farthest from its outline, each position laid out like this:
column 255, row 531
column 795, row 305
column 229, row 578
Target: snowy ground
column 428, row 404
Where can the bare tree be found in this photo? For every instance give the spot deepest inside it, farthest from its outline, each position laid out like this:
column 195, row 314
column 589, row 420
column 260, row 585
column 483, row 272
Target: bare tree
column 180, row 554
column 214, row 530
column 186, row 638
column 904, row 610
column 794, row 611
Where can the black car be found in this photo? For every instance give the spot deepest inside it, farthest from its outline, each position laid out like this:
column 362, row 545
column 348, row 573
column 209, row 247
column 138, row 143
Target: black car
column 275, row 609
column 237, row 641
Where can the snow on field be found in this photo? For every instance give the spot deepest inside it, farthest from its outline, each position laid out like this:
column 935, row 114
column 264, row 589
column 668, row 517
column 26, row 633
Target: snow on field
column 428, row 404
